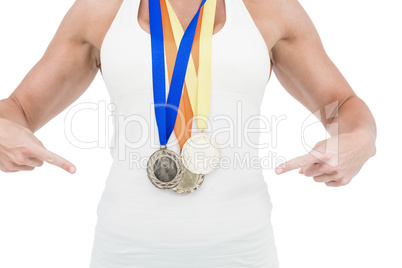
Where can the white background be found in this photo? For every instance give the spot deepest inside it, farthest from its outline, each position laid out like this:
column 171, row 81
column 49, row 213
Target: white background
column 48, row 216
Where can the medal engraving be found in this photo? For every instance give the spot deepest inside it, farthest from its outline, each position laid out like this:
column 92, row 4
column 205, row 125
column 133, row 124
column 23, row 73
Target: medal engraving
column 165, row 169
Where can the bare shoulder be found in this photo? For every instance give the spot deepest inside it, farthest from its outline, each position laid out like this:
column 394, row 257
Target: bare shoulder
column 280, row 20
column 294, row 20
column 89, row 20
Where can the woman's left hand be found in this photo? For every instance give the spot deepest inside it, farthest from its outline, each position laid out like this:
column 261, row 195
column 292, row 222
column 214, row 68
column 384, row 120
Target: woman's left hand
column 334, row 161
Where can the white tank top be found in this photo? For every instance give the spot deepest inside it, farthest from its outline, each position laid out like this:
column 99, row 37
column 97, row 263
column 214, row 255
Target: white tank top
column 224, row 223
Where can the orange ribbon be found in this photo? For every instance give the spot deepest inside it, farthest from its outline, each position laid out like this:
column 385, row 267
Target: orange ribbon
column 184, row 120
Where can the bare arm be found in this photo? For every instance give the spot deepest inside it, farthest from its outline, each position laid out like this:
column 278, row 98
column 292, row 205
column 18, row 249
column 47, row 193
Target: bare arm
column 304, row 69
column 308, row 74
column 64, row 72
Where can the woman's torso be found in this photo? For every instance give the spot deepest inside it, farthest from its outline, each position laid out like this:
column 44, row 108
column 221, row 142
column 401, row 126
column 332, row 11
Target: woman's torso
column 232, row 203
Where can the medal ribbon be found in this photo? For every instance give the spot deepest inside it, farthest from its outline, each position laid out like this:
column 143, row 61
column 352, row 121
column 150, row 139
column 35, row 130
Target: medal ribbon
column 166, row 111
column 198, row 88
column 184, row 118
column 190, row 100
column 204, row 72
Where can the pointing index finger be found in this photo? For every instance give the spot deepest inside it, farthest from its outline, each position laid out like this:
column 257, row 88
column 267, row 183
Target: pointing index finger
column 54, row 159
column 297, row 162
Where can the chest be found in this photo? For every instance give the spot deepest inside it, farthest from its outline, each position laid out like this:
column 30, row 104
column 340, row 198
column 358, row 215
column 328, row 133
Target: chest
column 240, row 58
column 184, row 11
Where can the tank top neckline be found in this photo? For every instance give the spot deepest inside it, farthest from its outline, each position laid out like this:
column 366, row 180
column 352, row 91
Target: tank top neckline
column 146, row 34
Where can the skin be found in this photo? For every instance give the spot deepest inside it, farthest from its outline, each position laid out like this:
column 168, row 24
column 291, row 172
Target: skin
column 298, row 59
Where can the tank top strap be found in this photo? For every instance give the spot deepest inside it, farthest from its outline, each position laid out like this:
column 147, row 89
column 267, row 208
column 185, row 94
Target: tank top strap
column 241, row 17
column 239, row 11
column 236, row 13
column 126, row 13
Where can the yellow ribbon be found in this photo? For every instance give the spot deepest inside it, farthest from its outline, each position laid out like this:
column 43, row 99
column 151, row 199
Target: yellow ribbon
column 199, row 89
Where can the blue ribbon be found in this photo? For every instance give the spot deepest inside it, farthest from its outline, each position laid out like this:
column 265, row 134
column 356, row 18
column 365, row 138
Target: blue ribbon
column 166, row 112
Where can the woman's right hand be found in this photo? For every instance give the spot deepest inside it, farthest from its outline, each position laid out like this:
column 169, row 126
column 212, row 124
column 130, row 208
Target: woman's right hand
column 21, row 150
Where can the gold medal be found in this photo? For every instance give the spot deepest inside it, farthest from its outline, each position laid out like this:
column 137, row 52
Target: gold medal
column 189, row 182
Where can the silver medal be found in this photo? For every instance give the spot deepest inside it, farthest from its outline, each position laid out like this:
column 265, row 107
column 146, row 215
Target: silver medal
column 201, row 154
column 165, row 169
